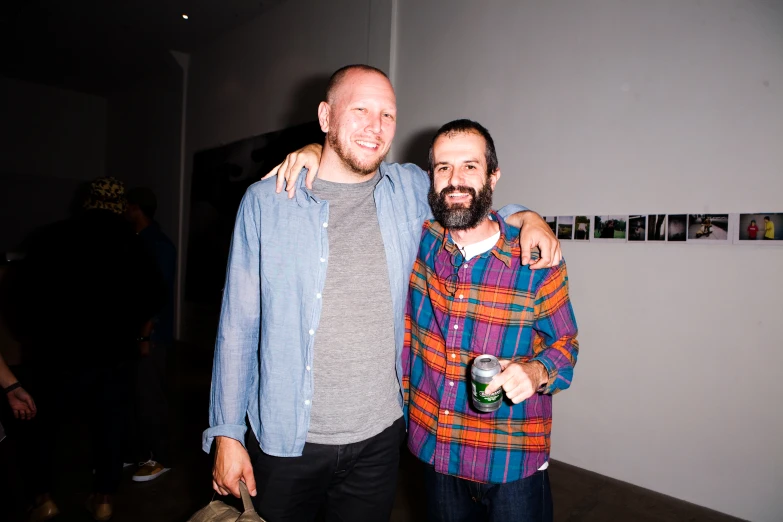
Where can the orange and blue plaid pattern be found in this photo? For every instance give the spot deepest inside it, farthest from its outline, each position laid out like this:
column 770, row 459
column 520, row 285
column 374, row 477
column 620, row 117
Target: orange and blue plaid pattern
column 496, row 306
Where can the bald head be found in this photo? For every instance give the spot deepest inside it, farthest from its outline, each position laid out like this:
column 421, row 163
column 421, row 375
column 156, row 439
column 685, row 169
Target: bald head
column 340, row 75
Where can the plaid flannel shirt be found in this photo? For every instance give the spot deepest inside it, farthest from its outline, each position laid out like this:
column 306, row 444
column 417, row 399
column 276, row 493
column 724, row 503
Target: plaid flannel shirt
column 498, row 307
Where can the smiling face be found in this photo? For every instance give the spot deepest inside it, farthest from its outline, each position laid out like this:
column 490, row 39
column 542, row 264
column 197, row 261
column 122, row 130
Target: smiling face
column 359, row 120
column 461, row 191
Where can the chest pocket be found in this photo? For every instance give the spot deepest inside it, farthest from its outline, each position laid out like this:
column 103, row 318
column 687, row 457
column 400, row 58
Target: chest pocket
column 409, row 234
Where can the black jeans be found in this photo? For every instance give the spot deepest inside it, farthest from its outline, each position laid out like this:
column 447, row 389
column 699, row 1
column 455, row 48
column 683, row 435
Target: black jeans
column 151, row 406
column 351, row 482
column 97, row 396
column 452, row 499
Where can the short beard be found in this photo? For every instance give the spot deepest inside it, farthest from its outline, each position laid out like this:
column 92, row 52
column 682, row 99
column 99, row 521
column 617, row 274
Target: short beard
column 461, row 218
column 351, row 161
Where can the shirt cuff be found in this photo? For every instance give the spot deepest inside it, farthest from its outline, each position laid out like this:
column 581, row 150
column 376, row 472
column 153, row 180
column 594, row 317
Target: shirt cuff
column 232, row 431
column 511, row 209
column 550, row 372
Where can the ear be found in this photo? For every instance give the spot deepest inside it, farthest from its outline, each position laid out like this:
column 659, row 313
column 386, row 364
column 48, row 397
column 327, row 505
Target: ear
column 493, row 178
column 323, row 115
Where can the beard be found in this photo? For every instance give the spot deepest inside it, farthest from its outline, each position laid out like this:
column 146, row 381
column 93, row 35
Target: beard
column 350, row 160
column 460, row 218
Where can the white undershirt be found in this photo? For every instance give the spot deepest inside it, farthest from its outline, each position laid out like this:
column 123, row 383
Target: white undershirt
column 476, row 249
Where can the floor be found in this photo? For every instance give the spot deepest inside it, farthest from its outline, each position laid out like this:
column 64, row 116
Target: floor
column 579, row 495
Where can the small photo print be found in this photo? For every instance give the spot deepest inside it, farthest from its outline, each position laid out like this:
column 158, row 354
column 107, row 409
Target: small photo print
column 552, row 222
column 677, row 227
column 656, row 227
column 760, row 227
column 565, row 227
column 610, row 227
column 708, row 227
column 637, row 228
column 582, row 228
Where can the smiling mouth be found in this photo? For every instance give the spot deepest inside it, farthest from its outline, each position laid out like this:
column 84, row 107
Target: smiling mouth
column 368, row 144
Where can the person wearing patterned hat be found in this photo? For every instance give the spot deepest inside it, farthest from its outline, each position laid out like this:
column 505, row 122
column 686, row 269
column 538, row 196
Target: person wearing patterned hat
column 85, row 290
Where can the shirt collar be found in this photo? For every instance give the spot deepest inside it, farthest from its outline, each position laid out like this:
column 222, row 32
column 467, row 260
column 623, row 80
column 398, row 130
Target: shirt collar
column 304, row 196
column 503, row 249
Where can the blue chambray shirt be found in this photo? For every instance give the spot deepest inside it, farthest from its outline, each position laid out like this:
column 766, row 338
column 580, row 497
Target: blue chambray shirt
column 271, row 303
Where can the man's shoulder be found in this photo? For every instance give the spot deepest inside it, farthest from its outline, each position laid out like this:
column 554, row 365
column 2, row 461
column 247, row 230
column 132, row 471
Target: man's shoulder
column 264, row 189
column 406, row 173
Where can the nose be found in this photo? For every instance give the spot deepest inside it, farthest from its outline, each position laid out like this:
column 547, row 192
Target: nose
column 456, row 179
column 374, row 123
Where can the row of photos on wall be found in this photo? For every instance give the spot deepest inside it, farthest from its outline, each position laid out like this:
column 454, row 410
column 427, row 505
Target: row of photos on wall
column 750, row 229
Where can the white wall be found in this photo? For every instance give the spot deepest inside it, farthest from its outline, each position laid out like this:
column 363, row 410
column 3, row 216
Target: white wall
column 611, row 106
column 52, row 140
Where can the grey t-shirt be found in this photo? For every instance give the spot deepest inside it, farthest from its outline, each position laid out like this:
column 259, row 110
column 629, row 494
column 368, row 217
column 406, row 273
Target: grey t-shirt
column 356, row 392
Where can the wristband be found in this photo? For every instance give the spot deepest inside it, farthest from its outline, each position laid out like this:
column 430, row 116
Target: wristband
column 12, row 387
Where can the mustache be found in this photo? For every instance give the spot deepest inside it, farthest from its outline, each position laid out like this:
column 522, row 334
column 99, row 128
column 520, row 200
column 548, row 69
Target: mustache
column 459, row 188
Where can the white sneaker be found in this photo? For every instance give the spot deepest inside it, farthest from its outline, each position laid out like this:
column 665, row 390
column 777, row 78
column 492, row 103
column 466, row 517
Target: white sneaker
column 149, row 470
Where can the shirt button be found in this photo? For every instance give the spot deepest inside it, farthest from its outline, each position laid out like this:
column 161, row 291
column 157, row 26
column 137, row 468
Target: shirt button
column 317, row 296
column 461, row 296
column 311, row 332
column 323, row 260
column 456, row 326
column 465, row 266
column 450, row 384
column 446, row 412
column 453, row 355
column 307, row 402
column 326, row 225
column 307, row 368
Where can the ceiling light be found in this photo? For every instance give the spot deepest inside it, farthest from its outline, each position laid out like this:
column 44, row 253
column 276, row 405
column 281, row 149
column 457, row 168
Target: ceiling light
column 185, row 16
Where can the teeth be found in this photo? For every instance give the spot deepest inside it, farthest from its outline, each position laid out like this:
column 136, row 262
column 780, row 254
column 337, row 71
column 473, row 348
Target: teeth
column 367, row 144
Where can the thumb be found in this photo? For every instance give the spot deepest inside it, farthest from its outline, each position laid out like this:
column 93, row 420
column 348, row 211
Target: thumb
column 250, row 480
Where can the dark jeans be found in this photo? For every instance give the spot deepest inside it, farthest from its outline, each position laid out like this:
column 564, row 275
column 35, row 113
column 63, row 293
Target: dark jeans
column 452, row 499
column 151, row 407
column 97, row 396
column 352, row 482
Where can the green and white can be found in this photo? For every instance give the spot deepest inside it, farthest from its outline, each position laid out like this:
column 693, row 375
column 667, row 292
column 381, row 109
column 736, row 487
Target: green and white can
column 484, row 368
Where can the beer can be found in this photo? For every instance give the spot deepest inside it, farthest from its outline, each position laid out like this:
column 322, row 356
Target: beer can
column 484, row 368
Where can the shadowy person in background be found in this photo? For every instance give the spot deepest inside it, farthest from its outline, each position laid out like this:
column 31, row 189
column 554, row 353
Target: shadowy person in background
column 156, row 337
column 83, row 293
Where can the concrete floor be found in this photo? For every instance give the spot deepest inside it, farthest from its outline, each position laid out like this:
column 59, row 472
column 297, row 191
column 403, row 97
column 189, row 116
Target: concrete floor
column 579, row 495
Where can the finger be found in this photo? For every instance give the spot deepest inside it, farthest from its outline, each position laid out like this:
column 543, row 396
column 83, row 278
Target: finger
column 558, row 257
column 525, row 246
column 496, row 383
column 519, row 394
column 543, row 262
column 271, row 173
column 281, row 176
column 292, row 169
column 219, row 489
column 311, row 174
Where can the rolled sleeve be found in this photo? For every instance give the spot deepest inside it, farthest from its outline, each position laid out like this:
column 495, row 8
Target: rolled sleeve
column 556, row 346
column 235, row 366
